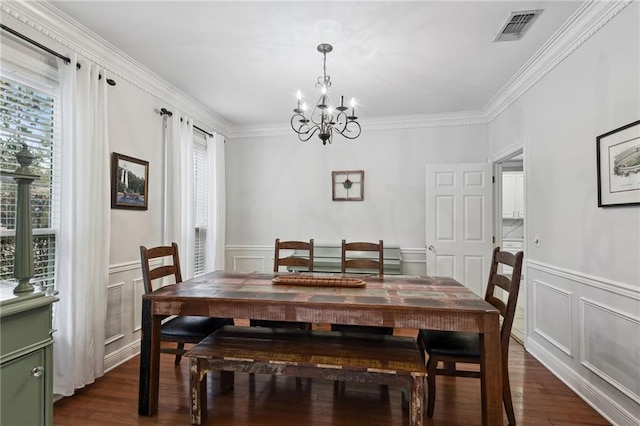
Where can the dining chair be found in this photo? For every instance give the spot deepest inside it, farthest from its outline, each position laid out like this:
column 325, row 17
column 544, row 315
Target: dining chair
column 452, row 347
column 291, row 260
column 362, row 255
column 181, row 329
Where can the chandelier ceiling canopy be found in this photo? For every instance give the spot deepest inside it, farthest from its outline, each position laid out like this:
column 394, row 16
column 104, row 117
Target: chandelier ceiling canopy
column 324, row 119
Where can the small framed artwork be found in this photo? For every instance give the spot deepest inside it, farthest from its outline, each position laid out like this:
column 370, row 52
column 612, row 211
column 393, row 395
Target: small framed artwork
column 129, row 182
column 347, row 185
column 618, row 154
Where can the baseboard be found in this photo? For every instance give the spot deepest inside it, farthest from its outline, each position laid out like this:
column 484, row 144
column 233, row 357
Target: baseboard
column 121, row 356
column 604, row 405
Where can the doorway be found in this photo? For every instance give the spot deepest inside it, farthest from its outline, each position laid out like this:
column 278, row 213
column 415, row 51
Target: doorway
column 509, row 219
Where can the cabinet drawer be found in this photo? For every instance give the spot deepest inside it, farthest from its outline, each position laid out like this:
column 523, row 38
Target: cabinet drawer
column 24, row 329
column 512, row 245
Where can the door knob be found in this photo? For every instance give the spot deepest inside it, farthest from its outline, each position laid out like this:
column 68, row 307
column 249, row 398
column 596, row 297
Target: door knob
column 431, row 248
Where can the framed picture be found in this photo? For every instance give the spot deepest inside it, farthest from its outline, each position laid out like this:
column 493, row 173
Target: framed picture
column 618, row 154
column 347, row 185
column 129, row 182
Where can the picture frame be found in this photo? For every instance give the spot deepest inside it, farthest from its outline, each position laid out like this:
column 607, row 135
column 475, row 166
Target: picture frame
column 347, row 185
column 618, row 163
column 129, row 182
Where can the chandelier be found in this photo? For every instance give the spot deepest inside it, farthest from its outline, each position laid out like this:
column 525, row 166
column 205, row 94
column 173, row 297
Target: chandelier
column 325, row 119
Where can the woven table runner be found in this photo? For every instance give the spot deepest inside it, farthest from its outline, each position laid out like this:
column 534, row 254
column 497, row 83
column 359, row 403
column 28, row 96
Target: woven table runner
column 319, row 281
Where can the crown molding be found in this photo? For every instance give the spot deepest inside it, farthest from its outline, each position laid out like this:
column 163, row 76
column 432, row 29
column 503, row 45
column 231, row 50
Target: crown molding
column 417, row 121
column 584, row 23
column 50, row 22
column 47, row 20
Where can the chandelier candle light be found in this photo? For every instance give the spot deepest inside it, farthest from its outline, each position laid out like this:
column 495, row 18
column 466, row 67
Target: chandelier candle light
column 324, row 119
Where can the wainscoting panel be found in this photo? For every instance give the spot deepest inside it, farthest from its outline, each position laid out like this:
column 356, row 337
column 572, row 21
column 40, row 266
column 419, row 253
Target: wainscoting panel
column 249, row 258
column 113, row 326
column 244, row 258
column 124, row 306
column 611, row 346
column 552, row 315
column 586, row 330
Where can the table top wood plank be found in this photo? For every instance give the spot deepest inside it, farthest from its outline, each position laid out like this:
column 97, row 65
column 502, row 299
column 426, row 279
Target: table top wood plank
column 390, row 301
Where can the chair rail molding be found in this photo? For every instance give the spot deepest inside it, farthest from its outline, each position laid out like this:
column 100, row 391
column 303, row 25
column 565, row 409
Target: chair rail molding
column 605, row 284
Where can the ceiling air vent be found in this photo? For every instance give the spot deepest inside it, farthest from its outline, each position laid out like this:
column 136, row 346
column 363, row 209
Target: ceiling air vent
column 517, row 24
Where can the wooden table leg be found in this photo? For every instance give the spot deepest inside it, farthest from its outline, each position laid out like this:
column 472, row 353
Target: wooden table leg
column 197, row 391
column 416, row 402
column 492, row 372
column 149, row 361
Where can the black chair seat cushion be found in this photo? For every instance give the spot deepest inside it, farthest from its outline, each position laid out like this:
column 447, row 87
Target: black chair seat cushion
column 196, row 328
column 450, row 343
column 362, row 329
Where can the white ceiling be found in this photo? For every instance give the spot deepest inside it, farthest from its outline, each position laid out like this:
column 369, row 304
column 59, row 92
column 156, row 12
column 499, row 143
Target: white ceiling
column 245, row 60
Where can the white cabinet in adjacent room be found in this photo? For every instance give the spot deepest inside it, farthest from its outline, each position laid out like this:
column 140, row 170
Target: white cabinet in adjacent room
column 513, row 195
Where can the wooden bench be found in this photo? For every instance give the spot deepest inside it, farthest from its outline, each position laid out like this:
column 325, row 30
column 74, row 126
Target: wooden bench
column 388, row 360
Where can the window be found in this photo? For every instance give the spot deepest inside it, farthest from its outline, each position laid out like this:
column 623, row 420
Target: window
column 28, row 116
column 200, row 201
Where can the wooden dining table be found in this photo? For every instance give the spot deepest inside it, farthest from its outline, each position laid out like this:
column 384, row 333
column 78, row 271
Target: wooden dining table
column 438, row 303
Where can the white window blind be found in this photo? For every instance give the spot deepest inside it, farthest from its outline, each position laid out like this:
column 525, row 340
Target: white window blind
column 200, row 191
column 28, row 116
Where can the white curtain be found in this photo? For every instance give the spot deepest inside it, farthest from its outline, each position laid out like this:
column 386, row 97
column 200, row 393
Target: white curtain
column 215, row 242
column 180, row 220
column 82, row 269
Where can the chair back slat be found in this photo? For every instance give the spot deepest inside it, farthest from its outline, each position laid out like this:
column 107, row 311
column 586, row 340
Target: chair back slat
column 502, row 281
column 510, row 285
column 149, row 275
column 359, row 262
column 291, row 260
column 498, row 304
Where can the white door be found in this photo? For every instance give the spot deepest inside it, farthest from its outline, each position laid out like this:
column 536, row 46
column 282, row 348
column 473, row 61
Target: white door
column 459, row 222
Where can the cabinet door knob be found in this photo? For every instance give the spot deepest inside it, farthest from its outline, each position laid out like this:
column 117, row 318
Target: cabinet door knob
column 37, row 371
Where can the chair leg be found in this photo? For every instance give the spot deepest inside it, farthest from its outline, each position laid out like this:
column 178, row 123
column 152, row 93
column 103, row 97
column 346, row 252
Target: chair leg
column 179, row 355
column 449, row 365
column 506, row 394
column 432, row 365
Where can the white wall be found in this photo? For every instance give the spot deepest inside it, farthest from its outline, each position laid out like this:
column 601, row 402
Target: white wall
column 583, row 281
column 279, row 187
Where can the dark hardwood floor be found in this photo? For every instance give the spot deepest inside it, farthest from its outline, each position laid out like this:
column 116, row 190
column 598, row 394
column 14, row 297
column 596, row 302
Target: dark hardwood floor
column 538, row 398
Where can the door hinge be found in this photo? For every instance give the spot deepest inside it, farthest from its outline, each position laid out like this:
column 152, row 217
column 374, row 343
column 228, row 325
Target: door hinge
column 494, row 239
column 493, row 179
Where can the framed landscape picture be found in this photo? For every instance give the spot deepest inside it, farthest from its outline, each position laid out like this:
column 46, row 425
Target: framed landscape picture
column 618, row 156
column 129, row 182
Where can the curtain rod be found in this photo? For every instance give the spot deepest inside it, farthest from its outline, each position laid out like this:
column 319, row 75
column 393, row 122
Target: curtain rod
column 110, row 82
column 164, row 111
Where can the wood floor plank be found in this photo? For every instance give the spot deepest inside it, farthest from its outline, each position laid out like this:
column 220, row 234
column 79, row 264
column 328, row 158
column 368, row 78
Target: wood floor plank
column 539, row 399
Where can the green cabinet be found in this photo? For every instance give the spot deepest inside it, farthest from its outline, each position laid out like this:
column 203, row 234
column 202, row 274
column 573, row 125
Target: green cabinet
column 26, row 358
